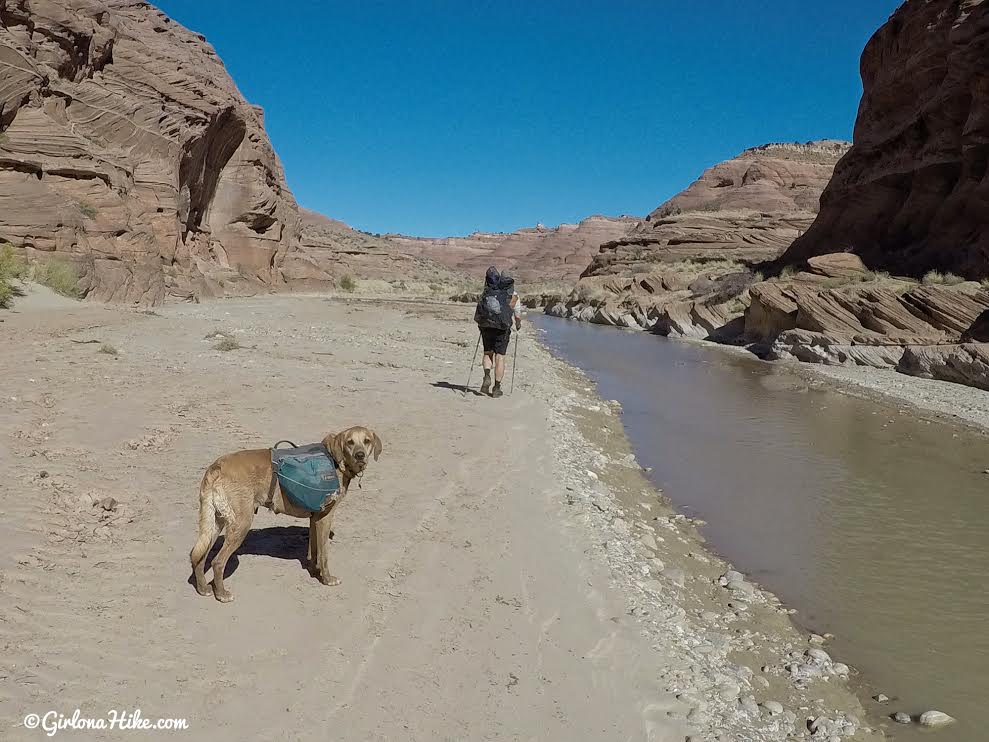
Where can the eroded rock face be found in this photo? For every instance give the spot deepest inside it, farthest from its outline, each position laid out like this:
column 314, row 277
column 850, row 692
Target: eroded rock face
column 537, row 254
column 748, row 208
column 330, row 249
column 873, row 320
column 127, row 148
column 912, row 195
column 682, row 271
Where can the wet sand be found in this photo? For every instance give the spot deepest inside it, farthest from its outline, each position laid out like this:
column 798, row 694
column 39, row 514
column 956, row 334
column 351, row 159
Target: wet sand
column 508, row 572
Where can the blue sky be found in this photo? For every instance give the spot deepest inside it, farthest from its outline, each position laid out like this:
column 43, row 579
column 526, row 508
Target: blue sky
column 441, row 117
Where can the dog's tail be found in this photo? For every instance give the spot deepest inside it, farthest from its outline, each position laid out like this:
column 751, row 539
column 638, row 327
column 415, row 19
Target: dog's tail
column 209, row 525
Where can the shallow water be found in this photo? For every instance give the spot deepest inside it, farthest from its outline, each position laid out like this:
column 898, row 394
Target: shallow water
column 873, row 524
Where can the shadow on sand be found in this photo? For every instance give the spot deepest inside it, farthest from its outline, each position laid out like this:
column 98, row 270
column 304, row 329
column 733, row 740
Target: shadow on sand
column 457, row 388
column 280, row 542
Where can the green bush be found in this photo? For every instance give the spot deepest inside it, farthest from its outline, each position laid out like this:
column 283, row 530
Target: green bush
column 58, row 275
column 347, row 283
column 87, row 210
column 11, row 269
column 11, row 266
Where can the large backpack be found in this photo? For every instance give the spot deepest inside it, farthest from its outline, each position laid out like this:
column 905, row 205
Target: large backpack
column 494, row 309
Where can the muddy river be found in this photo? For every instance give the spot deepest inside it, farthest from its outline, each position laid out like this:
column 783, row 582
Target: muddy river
column 871, row 522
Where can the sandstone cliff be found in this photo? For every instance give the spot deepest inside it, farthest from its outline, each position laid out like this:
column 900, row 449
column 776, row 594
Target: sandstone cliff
column 126, row 147
column 329, row 250
column 912, row 195
column 682, row 270
column 534, row 255
column 750, row 207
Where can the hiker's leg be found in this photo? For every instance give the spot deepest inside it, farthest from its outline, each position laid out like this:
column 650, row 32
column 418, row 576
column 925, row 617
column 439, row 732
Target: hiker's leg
column 488, row 362
column 499, row 368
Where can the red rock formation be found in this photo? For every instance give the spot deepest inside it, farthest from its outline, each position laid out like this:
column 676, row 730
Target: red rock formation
column 536, row 254
column 125, row 146
column 912, row 195
column 750, row 208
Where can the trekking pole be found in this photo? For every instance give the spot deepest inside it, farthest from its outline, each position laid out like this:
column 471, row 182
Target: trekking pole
column 515, row 361
column 472, row 361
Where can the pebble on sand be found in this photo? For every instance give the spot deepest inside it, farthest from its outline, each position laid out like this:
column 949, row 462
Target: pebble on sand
column 773, row 707
column 935, row 719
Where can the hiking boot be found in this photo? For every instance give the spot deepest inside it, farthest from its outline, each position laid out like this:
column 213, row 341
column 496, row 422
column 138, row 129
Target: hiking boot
column 486, row 384
column 496, row 392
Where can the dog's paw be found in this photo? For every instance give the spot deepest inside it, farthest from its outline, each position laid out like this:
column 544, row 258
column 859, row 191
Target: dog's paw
column 330, row 580
column 224, row 597
column 203, row 590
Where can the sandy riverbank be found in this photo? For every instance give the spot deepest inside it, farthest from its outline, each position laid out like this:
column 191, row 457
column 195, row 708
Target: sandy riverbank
column 508, row 572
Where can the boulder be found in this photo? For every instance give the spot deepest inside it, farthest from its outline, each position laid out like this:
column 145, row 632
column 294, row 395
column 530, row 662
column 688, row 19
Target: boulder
column 837, row 265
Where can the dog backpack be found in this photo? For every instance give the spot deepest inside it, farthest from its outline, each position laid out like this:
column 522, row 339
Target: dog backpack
column 494, row 309
column 306, row 474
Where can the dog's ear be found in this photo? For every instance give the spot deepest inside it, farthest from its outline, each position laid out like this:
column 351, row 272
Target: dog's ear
column 377, row 445
column 334, row 444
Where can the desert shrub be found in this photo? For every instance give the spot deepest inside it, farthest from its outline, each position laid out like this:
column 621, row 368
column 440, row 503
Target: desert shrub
column 936, row 278
column 347, row 283
column 11, row 266
column 87, row 210
column 788, row 272
column 58, row 275
column 227, row 344
column 109, row 350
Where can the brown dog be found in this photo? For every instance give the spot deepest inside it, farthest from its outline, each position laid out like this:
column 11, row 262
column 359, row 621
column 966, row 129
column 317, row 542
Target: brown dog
column 236, row 485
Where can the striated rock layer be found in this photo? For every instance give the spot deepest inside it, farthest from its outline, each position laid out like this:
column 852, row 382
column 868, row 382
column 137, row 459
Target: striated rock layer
column 912, row 195
column 749, row 208
column 682, row 271
column 536, row 254
column 127, row 148
column 125, row 144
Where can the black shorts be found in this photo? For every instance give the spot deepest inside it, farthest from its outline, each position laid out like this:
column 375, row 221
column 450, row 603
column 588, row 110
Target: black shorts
column 495, row 340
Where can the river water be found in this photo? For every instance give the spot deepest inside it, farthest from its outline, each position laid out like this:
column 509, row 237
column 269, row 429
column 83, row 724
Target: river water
column 872, row 523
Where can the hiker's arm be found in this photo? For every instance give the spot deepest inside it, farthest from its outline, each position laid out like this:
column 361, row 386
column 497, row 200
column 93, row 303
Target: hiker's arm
column 516, row 311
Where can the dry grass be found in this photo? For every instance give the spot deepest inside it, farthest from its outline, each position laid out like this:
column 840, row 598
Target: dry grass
column 227, row 344
column 936, row 278
column 109, row 350
column 58, row 275
column 347, row 283
column 12, row 269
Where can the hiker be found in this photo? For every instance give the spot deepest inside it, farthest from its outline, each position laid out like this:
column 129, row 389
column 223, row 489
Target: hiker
column 498, row 308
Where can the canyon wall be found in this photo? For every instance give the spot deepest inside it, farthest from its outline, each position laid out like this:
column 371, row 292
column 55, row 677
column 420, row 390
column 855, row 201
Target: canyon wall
column 912, row 195
column 533, row 255
column 126, row 147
